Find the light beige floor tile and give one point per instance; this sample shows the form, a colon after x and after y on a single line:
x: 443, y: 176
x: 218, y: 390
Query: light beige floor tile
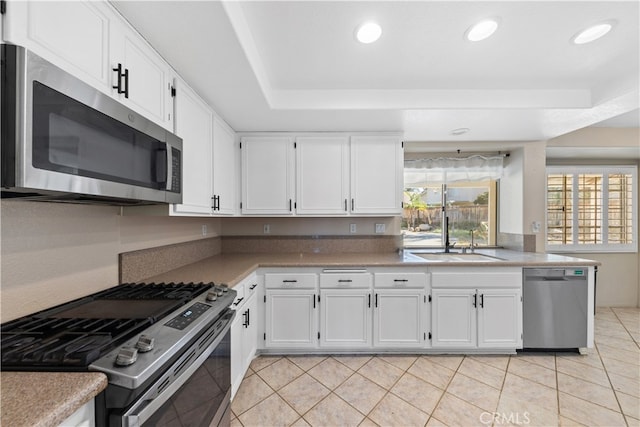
x: 263, y: 361
x: 353, y: 362
x: 626, y: 343
x: 333, y: 411
x: 625, y: 369
x: 585, y: 372
x: 434, y: 422
x: 475, y: 392
x: 235, y: 423
x: 485, y: 374
x: 273, y: 411
x: 456, y: 412
x: 588, y: 391
x: 619, y: 354
x: 499, y: 362
x: 630, y: 404
x: 588, y: 413
x: 306, y: 362
x: 393, y: 411
x: 251, y: 391
x: 546, y: 360
x: 566, y: 422
x: 280, y: 373
x: 517, y: 410
x: 431, y: 372
x: 401, y: 362
x: 527, y: 390
x: 592, y: 358
x: 303, y: 393
x: 330, y: 373
x: 533, y: 372
x: 448, y: 361
x: 381, y: 373
x: 626, y: 385
x: 417, y: 392
x: 301, y: 423
x: 367, y: 422
x: 360, y: 393
x: 632, y: 422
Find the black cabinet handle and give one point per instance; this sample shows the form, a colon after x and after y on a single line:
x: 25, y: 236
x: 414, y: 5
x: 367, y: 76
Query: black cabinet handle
x: 369, y: 305
x: 314, y: 301
x: 248, y: 317
x: 352, y: 203
x: 475, y: 300
x: 345, y: 281
x: 482, y: 300
x: 400, y: 280
x: 238, y: 302
x: 345, y: 205
x: 122, y: 74
x: 252, y: 287
x: 289, y: 205
x: 376, y: 300
x: 290, y: 281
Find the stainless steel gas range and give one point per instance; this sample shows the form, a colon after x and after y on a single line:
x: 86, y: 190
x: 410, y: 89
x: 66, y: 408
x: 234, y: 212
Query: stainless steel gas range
x: 165, y: 349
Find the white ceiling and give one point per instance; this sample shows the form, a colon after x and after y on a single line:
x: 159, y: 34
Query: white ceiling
x: 296, y: 66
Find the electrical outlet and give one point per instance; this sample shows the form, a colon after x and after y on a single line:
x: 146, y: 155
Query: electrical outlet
x: 204, y: 230
x: 535, y: 226
x: 266, y: 229
x: 380, y: 228
x: 352, y: 228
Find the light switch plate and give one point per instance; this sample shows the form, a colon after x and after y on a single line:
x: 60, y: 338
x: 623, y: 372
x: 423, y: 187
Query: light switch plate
x: 352, y: 228
x: 380, y: 228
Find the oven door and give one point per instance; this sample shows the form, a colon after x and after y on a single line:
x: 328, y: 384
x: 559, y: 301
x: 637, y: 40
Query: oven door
x: 194, y: 391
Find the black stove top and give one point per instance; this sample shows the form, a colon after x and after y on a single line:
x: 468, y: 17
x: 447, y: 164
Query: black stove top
x: 74, y: 334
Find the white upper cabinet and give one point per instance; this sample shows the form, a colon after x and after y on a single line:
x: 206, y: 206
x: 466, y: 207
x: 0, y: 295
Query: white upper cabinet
x: 376, y: 175
x: 194, y: 124
x: 224, y: 169
x: 267, y: 175
x: 89, y: 39
x: 322, y: 175
x: 140, y: 78
x: 71, y: 34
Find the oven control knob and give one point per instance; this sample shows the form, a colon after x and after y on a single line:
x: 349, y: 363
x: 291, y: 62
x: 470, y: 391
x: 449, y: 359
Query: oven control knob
x: 127, y: 356
x: 212, y: 296
x: 225, y: 287
x: 220, y: 292
x: 145, y: 343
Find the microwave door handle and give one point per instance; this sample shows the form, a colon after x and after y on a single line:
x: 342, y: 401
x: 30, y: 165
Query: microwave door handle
x: 162, y: 164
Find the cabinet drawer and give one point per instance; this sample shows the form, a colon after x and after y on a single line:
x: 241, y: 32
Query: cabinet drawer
x: 291, y: 281
x: 250, y: 286
x: 400, y: 280
x: 240, y: 296
x: 345, y: 280
x: 473, y: 278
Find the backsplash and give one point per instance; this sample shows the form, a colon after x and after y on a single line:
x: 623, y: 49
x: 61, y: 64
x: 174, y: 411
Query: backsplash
x: 517, y: 242
x: 311, y: 244
x: 137, y: 265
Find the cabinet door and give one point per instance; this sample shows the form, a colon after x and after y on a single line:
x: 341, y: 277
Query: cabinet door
x: 73, y: 35
x: 397, y: 320
x: 224, y: 169
x: 291, y: 319
x: 237, y: 356
x: 345, y: 318
x: 194, y: 126
x: 499, y: 318
x: 322, y: 175
x: 250, y: 336
x: 376, y: 175
x: 267, y: 175
x: 453, y: 320
x: 149, y: 76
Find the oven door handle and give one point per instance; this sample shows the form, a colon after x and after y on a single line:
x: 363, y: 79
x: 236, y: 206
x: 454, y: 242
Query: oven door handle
x: 151, y: 401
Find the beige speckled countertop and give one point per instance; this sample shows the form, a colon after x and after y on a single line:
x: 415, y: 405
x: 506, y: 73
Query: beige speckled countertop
x: 46, y: 398
x: 58, y: 395
x: 232, y: 268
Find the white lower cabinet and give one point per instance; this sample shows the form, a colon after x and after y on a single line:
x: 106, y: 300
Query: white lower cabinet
x: 400, y: 308
x: 244, y: 330
x: 291, y: 318
x: 84, y: 416
x: 468, y: 317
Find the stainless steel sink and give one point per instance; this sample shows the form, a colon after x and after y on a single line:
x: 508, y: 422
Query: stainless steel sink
x: 455, y: 257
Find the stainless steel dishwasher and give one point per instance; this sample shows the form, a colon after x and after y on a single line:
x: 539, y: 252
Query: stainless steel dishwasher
x: 554, y: 308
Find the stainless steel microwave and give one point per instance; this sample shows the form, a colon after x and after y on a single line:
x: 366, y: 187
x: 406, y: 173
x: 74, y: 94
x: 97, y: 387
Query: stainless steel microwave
x: 63, y: 140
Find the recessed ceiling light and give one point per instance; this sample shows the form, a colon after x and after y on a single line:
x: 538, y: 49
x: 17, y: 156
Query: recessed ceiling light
x: 592, y: 33
x: 368, y: 32
x: 460, y: 131
x: 482, y: 30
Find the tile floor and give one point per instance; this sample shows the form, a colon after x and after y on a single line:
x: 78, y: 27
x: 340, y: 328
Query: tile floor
x: 599, y: 389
